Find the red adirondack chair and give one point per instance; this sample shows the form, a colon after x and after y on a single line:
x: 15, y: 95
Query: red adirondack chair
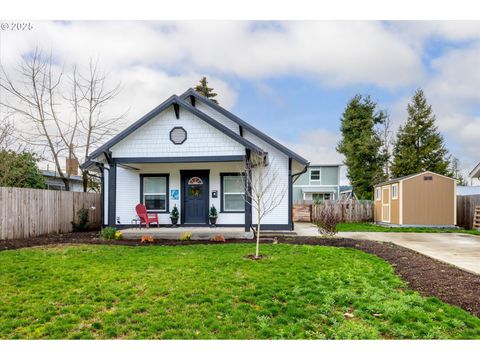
x: 146, y: 218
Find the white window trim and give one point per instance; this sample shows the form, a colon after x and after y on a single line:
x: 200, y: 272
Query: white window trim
x: 164, y: 194
x: 319, y: 176
x: 231, y: 193
x: 395, y: 186
x: 378, y: 194
x: 161, y: 193
x: 224, y: 202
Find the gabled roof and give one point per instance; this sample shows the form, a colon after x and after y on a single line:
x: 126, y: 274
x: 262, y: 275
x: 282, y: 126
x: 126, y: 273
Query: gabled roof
x: 391, y: 181
x: 242, y: 123
x: 323, y: 165
x: 174, y: 99
x: 475, y: 172
x: 54, y: 174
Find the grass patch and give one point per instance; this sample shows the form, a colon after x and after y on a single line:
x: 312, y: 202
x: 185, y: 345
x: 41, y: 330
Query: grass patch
x: 213, y: 292
x: 369, y: 227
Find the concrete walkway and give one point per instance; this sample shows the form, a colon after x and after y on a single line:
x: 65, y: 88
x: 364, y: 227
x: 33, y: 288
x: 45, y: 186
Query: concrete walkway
x: 461, y: 250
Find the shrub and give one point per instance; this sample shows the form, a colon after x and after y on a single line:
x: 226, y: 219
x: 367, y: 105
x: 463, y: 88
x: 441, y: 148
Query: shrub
x: 213, y: 212
x: 218, y: 238
x: 185, y: 236
x: 146, y: 239
x: 108, y: 233
x: 83, y: 224
x: 118, y: 235
x: 174, y: 213
x: 327, y: 221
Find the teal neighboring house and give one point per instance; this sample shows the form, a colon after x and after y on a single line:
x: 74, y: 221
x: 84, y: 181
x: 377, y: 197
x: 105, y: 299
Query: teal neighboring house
x: 319, y: 182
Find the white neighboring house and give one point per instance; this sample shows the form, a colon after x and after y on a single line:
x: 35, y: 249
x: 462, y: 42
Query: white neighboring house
x: 190, y: 152
x: 475, y: 175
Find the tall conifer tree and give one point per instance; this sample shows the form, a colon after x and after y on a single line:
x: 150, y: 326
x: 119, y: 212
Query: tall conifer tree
x: 206, y: 91
x: 419, y: 145
x: 361, y: 145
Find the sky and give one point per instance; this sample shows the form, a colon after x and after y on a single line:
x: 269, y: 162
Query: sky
x: 290, y: 79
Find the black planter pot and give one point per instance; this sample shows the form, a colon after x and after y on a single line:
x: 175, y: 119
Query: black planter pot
x: 213, y: 221
x: 174, y: 220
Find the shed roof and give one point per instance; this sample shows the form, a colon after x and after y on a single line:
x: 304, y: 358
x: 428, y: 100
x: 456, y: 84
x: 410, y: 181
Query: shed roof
x: 398, y: 179
x: 475, y: 173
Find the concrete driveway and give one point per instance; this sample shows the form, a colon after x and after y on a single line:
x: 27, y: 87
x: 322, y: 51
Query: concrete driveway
x: 461, y: 250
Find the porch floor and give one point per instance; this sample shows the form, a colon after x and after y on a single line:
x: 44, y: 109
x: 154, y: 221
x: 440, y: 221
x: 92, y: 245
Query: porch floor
x: 198, y: 233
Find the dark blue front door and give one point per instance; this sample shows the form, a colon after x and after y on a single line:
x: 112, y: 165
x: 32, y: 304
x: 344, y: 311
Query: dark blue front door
x: 195, y: 197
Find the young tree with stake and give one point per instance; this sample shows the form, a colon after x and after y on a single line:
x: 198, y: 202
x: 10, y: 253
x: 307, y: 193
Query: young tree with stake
x: 263, y: 191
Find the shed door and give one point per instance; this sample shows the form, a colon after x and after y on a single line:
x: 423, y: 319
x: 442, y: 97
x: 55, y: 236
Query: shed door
x: 386, y: 204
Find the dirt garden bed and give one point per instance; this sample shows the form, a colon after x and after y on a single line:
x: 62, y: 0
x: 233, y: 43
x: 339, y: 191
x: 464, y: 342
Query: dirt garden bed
x: 423, y: 274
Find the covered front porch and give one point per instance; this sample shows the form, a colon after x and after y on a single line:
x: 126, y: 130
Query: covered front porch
x: 191, y: 185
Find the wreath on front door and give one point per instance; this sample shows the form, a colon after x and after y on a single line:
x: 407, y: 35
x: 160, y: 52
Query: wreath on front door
x: 194, y: 191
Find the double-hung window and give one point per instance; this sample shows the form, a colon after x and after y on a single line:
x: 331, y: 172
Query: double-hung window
x: 233, y: 192
x: 315, y: 175
x: 154, y: 192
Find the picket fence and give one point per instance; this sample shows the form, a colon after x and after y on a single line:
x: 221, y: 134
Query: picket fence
x: 465, y: 210
x: 346, y: 210
x: 31, y: 212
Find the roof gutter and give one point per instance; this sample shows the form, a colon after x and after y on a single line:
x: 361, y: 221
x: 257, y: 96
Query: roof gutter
x: 299, y: 173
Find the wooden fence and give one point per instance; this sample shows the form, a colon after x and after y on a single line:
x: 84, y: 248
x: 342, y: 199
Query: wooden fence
x: 32, y: 212
x: 465, y: 208
x: 346, y: 210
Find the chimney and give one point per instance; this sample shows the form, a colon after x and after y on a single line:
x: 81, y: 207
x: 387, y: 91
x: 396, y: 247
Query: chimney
x: 72, y: 167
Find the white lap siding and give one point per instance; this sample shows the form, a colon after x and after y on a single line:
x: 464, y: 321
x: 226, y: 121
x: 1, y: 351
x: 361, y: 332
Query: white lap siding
x: 280, y: 161
x: 222, y: 119
x: 153, y: 139
x: 281, y: 214
x: 128, y: 189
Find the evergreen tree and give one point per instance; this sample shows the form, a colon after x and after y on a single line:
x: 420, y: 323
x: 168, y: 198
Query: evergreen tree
x: 20, y: 170
x: 456, y: 172
x: 419, y: 145
x: 206, y: 91
x: 361, y: 145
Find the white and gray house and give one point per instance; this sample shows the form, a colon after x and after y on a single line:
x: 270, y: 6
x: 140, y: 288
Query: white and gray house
x: 191, y: 152
x: 319, y: 182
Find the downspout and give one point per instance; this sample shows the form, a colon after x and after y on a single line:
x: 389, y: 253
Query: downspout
x: 290, y: 190
x: 300, y: 173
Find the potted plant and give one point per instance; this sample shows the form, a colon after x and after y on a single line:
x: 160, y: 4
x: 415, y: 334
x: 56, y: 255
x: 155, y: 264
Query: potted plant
x: 213, y: 215
x: 174, y: 215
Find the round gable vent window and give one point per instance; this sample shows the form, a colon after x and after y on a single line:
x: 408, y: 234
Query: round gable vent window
x: 178, y: 135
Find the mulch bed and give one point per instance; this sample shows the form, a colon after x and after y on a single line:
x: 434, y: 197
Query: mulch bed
x: 428, y: 276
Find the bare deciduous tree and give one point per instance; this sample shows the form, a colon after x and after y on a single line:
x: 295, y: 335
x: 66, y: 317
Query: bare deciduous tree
x: 64, y: 114
x: 6, y: 133
x: 263, y: 190
x: 96, y: 125
x: 386, y: 135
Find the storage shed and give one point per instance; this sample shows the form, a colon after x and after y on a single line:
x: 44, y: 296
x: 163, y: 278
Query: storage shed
x: 423, y: 199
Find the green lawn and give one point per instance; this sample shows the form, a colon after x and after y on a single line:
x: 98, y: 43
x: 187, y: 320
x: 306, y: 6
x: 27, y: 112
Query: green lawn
x: 362, y: 227
x: 211, y: 291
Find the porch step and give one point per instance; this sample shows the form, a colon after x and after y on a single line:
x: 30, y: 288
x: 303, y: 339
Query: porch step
x: 198, y: 233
